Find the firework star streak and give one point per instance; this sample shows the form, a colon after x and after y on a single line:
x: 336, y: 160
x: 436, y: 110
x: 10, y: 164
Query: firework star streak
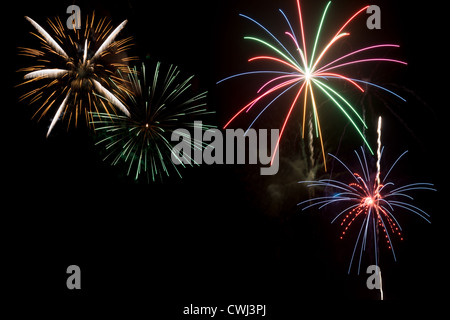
x: 77, y: 70
x: 159, y: 104
x: 309, y: 72
x: 370, y: 201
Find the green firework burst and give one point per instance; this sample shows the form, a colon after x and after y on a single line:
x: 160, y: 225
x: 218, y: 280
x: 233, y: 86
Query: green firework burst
x: 158, y: 105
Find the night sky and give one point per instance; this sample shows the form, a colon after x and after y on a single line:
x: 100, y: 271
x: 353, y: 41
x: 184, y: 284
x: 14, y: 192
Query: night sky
x: 222, y: 234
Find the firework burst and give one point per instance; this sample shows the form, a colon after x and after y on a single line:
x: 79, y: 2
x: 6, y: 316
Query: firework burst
x: 308, y: 71
x: 158, y: 105
x: 76, y: 70
x: 371, y: 201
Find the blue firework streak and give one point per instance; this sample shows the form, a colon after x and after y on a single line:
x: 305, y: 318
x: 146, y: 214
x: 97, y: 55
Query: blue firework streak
x: 370, y: 202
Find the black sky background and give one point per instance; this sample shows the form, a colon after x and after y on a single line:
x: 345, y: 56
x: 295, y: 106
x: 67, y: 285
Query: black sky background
x: 221, y: 235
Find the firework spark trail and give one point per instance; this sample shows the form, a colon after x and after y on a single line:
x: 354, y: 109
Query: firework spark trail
x: 377, y: 179
x: 369, y: 202
x: 158, y: 104
x: 379, y: 151
x: 83, y: 74
x: 310, y: 72
x: 48, y: 38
